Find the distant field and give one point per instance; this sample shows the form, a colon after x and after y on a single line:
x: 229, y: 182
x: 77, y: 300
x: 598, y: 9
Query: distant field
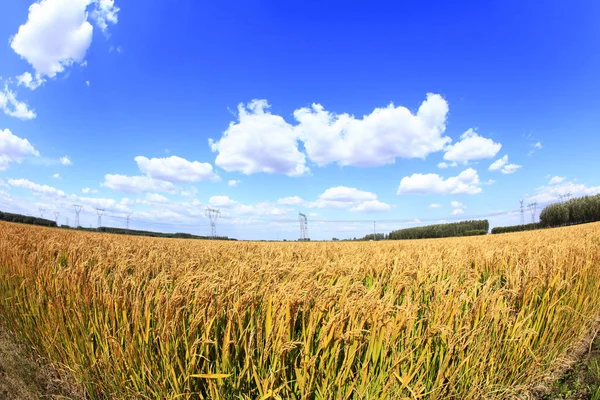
x: 464, y: 318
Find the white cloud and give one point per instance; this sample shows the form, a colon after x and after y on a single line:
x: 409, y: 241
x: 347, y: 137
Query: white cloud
x: 502, y: 165
x: 444, y: 165
x: 56, y: 176
x: 105, y: 12
x: 549, y: 193
x: 262, y: 208
x: 342, y: 197
x: 434, y: 205
x: 175, y: 169
x: 292, y: 201
x: 13, y: 107
x: 259, y: 142
x: 510, y: 168
x: 467, y: 182
x: 376, y: 139
x: 472, y: 147
x: 87, y: 83
x: 56, y: 35
x: 222, y: 201
x: 347, y: 195
x: 458, y: 207
x: 136, y: 184
x: 193, y: 192
x: 36, y: 188
x: 556, y: 180
x: 264, y: 142
x: 156, y: 198
x: 13, y: 149
x: 65, y: 161
x: 234, y: 182
x: 88, y: 190
x: 538, y: 145
x: 371, y: 206
x: 29, y: 81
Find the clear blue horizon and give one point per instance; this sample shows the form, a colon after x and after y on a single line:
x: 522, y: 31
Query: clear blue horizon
x: 401, y: 113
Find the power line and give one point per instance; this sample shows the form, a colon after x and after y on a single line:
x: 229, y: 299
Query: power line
x: 522, y: 213
x: 42, y: 211
x: 533, y: 209
x: 213, y: 215
x: 77, y: 208
x: 303, y: 226
x: 99, y: 211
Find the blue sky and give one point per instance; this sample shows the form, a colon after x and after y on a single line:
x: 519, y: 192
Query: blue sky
x: 403, y: 113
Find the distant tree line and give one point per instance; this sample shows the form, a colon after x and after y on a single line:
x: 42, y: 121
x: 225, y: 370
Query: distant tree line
x: 463, y: 228
x: 134, y: 232
x: 579, y: 210
x: 575, y: 211
x: 516, y: 228
x: 24, y: 219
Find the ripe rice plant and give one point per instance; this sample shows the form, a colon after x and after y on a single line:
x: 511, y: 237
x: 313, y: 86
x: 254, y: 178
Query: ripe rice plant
x: 150, y: 318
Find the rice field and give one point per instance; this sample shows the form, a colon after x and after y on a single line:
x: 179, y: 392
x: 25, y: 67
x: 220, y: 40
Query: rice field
x: 145, y: 318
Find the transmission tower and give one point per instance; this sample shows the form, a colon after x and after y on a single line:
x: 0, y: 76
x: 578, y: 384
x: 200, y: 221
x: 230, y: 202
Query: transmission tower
x: 374, y: 235
x: 303, y: 226
x: 522, y: 213
x: 77, y: 208
x: 213, y: 215
x: 42, y: 211
x: 56, y: 214
x: 128, y: 219
x: 99, y: 211
x: 67, y: 218
x: 532, y: 208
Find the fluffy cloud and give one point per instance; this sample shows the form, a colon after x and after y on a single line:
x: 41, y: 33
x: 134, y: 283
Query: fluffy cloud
x: 222, y: 201
x: 175, y: 169
x: 57, y: 32
x: 556, y: 180
x: 292, y: 201
x: 88, y: 190
x: 259, y: 142
x: 65, y: 161
x: 234, y: 182
x: 105, y: 12
x: 342, y: 197
x: 264, y: 142
x: 136, y: 184
x: 502, y: 165
x: 376, y: 139
x: 467, y: 182
x: 434, y: 205
x: 458, y: 208
x: 371, y: 206
x: 13, y: 107
x: 156, y: 198
x: 472, y: 147
x: 56, y: 35
x: 347, y: 194
x: 444, y: 165
x: 56, y: 176
x: 538, y: 145
x: 13, y: 149
x: 36, y: 188
x: 549, y: 193
x: 29, y: 81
